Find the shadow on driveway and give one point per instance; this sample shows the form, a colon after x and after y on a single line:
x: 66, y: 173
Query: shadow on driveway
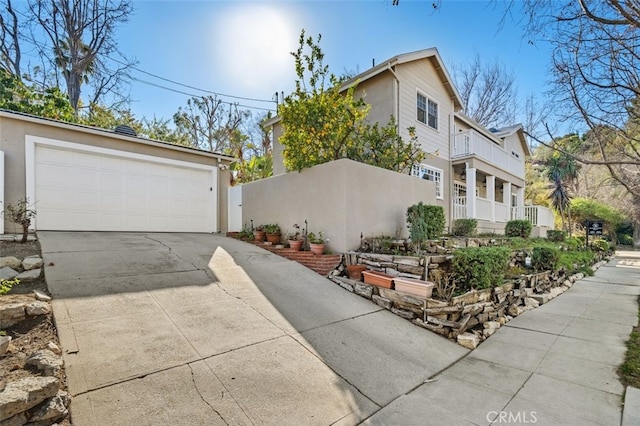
x: 203, y: 329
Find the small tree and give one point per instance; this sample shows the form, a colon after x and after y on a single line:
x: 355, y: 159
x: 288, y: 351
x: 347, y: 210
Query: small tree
x: 323, y: 121
x: 21, y: 214
x: 425, y: 222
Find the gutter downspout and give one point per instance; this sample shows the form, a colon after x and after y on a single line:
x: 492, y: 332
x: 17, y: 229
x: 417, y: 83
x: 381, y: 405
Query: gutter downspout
x: 396, y: 95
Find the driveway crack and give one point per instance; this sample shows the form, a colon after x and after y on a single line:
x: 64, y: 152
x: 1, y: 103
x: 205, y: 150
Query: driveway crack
x: 173, y: 252
x: 195, y: 385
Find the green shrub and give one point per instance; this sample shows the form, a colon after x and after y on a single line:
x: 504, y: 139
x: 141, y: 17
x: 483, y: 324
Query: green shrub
x: 625, y: 239
x: 586, y: 270
x: 572, y: 261
x: 518, y: 228
x: 556, y: 236
x: 425, y: 222
x: 601, y: 245
x: 6, y: 285
x: 545, y: 258
x: 464, y: 227
x: 480, y: 267
x: 574, y: 244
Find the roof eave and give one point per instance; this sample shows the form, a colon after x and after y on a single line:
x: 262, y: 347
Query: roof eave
x: 106, y: 132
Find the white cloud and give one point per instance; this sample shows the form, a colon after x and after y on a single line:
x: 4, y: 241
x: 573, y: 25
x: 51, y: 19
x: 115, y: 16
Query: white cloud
x: 252, y: 48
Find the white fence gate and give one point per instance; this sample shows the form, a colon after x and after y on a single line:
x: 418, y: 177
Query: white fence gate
x: 234, y: 208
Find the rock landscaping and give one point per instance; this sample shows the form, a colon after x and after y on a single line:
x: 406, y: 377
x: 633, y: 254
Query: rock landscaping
x: 33, y: 382
x: 468, y: 318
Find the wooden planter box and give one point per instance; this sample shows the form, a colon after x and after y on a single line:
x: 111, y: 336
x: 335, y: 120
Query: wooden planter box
x: 379, y: 279
x: 415, y: 287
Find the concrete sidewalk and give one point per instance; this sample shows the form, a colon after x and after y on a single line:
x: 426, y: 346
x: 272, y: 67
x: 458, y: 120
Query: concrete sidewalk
x: 555, y: 365
x: 195, y: 329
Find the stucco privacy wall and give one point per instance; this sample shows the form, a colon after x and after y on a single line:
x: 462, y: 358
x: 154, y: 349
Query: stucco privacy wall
x: 343, y: 198
x: 14, y: 128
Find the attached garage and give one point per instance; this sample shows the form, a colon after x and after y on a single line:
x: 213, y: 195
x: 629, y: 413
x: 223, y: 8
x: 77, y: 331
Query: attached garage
x: 85, y: 179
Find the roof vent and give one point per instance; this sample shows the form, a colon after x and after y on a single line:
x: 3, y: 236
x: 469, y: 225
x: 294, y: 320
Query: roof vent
x: 492, y: 130
x: 125, y: 130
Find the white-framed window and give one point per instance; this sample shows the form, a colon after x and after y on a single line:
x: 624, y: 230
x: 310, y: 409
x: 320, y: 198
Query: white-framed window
x: 427, y: 111
x: 423, y: 171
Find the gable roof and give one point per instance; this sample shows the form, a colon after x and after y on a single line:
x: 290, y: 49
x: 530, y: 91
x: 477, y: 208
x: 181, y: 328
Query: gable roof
x: 431, y: 53
x: 505, y: 132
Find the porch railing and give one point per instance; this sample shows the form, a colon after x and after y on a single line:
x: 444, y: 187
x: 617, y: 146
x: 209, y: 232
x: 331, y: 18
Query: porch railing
x: 471, y: 142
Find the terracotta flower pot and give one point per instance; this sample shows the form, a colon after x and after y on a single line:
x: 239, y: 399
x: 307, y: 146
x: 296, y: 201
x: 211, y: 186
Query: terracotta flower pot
x: 316, y: 248
x: 355, y: 271
x: 295, y: 244
x: 379, y: 279
x: 273, y: 238
x: 258, y: 235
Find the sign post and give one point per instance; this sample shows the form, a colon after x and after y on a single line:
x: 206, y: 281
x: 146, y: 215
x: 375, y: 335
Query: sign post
x: 594, y: 228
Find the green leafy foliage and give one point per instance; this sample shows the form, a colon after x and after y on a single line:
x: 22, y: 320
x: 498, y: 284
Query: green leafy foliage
x: 545, y: 258
x: 518, y: 228
x: 271, y: 228
x: 556, y: 236
x: 464, y: 227
x: 601, y: 245
x: 17, y: 96
x: 6, y: 285
x: 425, y: 222
x: 480, y: 267
x: 322, y: 122
x: 384, y: 147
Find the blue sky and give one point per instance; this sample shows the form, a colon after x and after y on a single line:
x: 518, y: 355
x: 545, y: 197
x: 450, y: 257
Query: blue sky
x: 241, y: 48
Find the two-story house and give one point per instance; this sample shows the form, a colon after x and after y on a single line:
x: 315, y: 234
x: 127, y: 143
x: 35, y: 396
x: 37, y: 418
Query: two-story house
x: 479, y: 173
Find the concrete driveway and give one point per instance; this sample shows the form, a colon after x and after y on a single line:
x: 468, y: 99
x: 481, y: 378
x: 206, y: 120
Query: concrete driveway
x: 202, y: 329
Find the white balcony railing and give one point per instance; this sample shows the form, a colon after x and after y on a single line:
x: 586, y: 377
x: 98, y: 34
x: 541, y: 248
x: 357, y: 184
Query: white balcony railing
x: 471, y: 142
x: 537, y: 215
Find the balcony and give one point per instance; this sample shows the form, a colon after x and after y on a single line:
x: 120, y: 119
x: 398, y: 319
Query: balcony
x: 471, y: 142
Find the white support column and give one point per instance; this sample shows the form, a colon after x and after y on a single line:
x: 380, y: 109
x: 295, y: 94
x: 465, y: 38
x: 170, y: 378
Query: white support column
x: 471, y: 193
x: 491, y: 195
x: 506, y: 198
x: 520, y: 195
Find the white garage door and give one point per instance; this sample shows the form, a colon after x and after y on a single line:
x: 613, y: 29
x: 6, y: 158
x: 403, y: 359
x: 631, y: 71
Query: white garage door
x: 110, y: 191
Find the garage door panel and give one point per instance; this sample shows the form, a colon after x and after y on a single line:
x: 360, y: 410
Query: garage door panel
x: 85, y: 161
x: 92, y: 191
x: 111, y: 183
x: 52, y: 156
x: 111, y: 164
x: 86, y: 201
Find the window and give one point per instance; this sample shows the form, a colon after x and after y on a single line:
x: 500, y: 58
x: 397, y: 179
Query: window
x: 427, y: 111
x: 429, y: 173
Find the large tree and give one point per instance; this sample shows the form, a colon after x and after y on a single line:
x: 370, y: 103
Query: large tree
x: 488, y: 91
x: 70, y: 44
x: 596, y: 76
x: 209, y: 123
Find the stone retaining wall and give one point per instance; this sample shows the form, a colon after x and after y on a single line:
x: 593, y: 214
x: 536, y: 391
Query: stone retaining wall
x: 469, y: 318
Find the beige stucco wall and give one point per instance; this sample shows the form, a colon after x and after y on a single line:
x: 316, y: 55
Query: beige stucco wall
x: 13, y: 131
x: 343, y: 198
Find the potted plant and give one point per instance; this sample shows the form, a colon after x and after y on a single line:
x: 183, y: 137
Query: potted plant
x: 317, y: 242
x: 355, y: 271
x: 295, y: 238
x: 258, y: 233
x: 272, y: 231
